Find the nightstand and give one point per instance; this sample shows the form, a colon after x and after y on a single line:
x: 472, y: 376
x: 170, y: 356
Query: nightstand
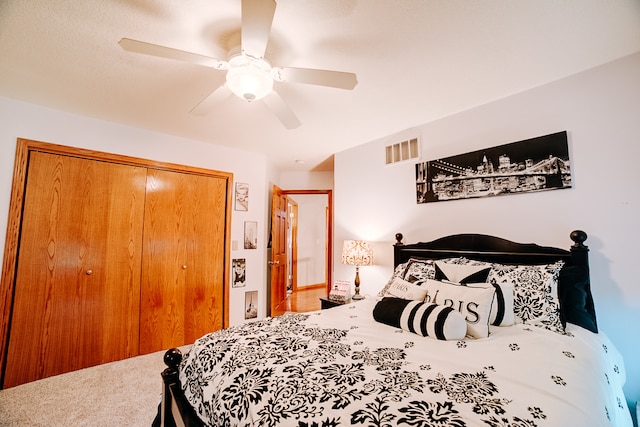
x: 327, y: 303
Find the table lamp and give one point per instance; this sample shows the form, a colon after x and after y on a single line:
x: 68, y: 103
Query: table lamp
x: 358, y: 253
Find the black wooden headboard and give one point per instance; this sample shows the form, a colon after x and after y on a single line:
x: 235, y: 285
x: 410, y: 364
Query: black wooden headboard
x: 492, y: 249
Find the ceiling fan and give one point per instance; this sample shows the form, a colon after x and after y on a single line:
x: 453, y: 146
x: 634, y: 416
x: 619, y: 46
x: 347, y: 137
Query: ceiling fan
x: 249, y: 75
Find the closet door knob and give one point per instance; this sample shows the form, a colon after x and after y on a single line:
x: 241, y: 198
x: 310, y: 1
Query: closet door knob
x: 89, y: 272
x: 184, y: 267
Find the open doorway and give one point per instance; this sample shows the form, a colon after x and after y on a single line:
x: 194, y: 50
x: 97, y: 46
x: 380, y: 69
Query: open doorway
x: 307, y: 241
x: 300, y: 258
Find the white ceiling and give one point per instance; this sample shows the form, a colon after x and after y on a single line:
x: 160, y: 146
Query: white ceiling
x: 416, y: 61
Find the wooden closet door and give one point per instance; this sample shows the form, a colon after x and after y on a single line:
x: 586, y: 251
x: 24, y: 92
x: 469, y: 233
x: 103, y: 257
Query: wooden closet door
x: 182, y: 272
x: 77, y: 289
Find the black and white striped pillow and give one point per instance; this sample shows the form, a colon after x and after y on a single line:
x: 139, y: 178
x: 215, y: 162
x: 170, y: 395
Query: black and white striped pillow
x: 425, y: 319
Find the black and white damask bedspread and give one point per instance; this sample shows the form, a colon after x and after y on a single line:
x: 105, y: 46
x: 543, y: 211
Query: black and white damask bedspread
x: 340, y: 367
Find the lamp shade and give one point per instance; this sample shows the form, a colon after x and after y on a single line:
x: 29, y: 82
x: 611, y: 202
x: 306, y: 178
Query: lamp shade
x: 357, y: 252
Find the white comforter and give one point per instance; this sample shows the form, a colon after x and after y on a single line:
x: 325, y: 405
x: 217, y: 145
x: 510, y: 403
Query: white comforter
x: 341, y: 367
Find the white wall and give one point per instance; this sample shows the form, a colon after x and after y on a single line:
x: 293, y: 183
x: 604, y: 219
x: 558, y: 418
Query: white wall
x: 306, y: 180
x: 21, y: 120
x: 600, y: 109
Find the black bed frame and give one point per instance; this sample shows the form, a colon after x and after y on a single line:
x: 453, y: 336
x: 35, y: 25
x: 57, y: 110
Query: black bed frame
x: 492, y: 249
x: 175, y: 409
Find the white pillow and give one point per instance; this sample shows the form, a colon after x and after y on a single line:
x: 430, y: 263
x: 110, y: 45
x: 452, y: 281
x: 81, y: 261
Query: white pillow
x: 502, y: 309
x: 400, y: 288
x: 474, y: 303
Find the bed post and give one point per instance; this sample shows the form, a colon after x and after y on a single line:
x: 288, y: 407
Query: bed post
x: 580, y: 257
x: 172, y: 359
x: 175, y: 410
x: 396, y: 249
x: 579, y: 251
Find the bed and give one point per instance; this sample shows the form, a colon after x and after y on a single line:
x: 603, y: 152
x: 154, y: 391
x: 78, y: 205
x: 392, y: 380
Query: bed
x: 469, y: 330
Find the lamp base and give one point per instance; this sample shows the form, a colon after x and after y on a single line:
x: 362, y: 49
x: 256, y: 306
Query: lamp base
x: 356, y: 295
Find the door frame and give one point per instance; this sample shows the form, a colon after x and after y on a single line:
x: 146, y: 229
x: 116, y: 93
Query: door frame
x: 21, y: 164
x: 329, y: 226
x: 292, y: 230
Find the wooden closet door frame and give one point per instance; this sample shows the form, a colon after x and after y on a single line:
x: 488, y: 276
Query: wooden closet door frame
x: 23, y: 148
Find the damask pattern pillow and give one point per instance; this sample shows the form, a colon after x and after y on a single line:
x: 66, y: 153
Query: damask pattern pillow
x: 535, y: 291
x: 419, y: 270
x: 473, y: 303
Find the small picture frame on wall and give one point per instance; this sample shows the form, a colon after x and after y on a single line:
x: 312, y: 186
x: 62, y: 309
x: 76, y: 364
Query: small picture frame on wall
x: 250, y: 234
x: 241, y: 197
x: 239, y: 272
x: 251, y: 305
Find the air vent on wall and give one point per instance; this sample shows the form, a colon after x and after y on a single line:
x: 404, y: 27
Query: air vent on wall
x: 402, y: 151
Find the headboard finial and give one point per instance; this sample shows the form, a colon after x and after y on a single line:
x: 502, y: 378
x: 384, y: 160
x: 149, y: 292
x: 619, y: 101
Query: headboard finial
x: 578, y: 237
x: 172, y: 358
x: 399, y: 237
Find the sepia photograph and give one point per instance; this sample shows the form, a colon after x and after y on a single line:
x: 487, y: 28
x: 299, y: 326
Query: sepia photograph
x: 251, y: 304
x: 250, y: 234
x: 242, y: 197
x: 536, y: 164
x: 239, y: 270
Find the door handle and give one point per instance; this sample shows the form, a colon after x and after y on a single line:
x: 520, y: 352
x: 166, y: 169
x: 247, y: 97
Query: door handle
x: 274, y: 262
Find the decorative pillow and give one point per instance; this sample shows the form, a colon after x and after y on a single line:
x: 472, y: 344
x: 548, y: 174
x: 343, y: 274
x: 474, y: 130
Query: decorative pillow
x: 473, y: 303
x: 419, y: 270
x: 398, y: 272
x: 576, y: 302
x: 535, y: 292
x: 502, y: 308
x: 462, y: 270
x: 432, y: 320
x: 406, y: 290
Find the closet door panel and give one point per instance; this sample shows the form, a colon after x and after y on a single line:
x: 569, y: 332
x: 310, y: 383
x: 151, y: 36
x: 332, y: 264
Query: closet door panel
x: 205, y: 250
x: 77, y: 281
x: 182, y: 272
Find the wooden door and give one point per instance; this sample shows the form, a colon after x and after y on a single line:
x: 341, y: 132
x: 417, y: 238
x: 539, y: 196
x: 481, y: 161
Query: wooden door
x: 278, y: 260
x: 77, y: 291
x: 182, y: 272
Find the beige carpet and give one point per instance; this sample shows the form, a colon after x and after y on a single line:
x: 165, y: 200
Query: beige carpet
x: 124, y: 393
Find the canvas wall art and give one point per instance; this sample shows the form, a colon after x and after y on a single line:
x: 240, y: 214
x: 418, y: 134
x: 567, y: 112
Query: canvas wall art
x: 535, y: 164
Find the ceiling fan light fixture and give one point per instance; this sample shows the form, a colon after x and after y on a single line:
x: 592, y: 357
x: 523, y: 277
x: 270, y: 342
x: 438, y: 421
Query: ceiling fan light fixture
x: 249, y: 78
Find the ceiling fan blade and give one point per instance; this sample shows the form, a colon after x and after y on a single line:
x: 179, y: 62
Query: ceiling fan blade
x: 211, y: 101
x: 281, y: 110
x: 257, y: 16
x: 137, y: 46
x: 337, y: 79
